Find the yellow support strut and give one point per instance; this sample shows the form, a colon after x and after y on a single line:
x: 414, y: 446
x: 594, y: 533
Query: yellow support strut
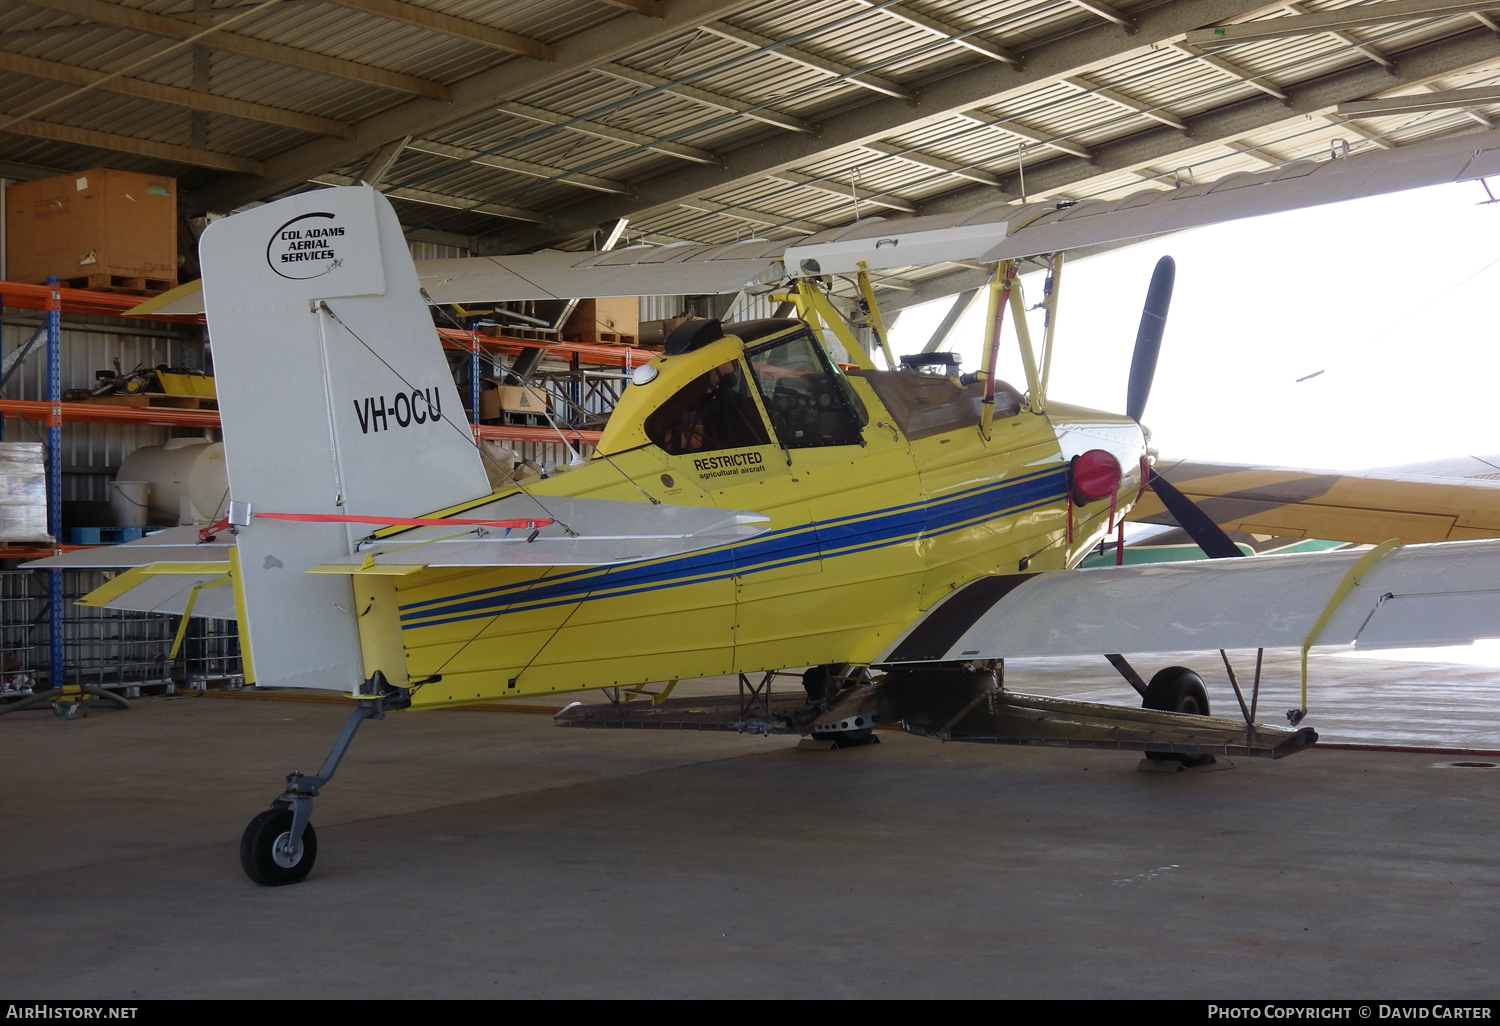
x: 877, y: 322
x: 1349, y: 583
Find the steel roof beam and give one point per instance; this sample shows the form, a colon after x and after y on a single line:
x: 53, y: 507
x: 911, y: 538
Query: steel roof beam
x: 920, y: 159
x: 703, y: 96
x: 1447, y: 99
x: 611, y: 41
x: 759, y: 218
x: 1232, y: 70
x: 602, y: 131
x: 987, y: 84
x: 190, y: 99
x: 650, y: 8
x: 1263, y: 155
x: 1347, y: 38
x: 905, y: 14
x: 381, y: 162
x: 459, y: 28
x: 119, y: 16
x: 438, y: 199
x: 879, y: 199
x: 1345, y: 17
x: 190, y: 155
x: 1031, y: 135
x: 808, y: 60
x: 521, y: 167
x: 1119, y: 99
x: 1359, y: 131
x: 1108, y: 13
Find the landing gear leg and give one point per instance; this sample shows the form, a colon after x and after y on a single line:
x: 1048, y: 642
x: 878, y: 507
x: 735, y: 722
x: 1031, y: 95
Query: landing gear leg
x: 824, y: 684
x: 279, y: 846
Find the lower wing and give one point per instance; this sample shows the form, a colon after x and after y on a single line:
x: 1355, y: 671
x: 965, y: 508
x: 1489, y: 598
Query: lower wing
x: 1386, y: 597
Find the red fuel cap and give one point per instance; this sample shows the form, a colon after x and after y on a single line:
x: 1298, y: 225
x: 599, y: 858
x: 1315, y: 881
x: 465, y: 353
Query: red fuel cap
x: 1096, y: 475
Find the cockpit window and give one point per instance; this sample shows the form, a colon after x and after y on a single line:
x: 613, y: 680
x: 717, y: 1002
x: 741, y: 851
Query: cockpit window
x: 810, y: 402
x: 713, y: 411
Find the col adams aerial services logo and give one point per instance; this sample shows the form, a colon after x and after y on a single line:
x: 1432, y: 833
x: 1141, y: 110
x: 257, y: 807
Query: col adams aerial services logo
x: 307, y: 246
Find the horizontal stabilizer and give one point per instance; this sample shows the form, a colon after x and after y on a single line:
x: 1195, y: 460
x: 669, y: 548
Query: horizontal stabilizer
x: 196, y: 593
x: 174, y: 545
x: 584, y: 532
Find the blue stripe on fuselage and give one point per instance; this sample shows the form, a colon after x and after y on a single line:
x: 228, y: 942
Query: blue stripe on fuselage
x: 774, y: 550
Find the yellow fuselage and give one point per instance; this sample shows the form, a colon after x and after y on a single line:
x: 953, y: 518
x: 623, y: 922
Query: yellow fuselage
x: 861, y: 540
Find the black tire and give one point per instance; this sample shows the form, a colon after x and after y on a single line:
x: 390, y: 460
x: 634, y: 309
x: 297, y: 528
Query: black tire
x: 1180, y: 690
x: 257, y: 854
x: 1177, y: 689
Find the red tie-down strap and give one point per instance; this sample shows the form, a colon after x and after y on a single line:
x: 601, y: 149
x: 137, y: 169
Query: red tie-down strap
x: 527, y: 523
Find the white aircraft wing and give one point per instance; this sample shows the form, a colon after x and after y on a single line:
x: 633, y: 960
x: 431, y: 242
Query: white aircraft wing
x: 1447, y: 594
x: 1002, y: 231
x: 635, y: 271
x: 551, y: 274
x: 998, y: 231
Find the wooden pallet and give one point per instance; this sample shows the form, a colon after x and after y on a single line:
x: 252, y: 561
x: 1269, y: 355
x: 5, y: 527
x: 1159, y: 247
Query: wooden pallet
x: 120, y: 283
x: 606, y: 338
x: 154, y: 400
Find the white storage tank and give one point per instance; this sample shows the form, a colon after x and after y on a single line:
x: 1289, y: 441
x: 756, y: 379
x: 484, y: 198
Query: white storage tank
x: 188, y: 479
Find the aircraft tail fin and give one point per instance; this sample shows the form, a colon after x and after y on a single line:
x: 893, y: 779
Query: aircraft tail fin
x: 335, y: 398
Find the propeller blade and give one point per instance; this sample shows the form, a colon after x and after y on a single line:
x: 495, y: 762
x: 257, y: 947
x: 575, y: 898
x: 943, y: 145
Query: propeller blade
x: 1148, y: 337
x: 1209, y: 536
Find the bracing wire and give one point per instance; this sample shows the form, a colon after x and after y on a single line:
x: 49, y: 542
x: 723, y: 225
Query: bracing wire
x: 526, y: 380
x: 323, y: 305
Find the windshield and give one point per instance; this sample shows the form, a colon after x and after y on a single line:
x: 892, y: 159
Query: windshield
x: 809, y: 401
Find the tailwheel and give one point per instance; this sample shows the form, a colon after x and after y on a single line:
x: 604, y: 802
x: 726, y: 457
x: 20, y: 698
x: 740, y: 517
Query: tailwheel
x: 1180, y: 690
x: 267, y: 855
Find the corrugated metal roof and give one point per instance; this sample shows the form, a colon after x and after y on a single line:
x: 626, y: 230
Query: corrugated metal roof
x: 853, y: 34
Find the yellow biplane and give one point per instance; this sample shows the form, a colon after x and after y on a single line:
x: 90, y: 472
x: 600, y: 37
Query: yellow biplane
x: 753, y: 505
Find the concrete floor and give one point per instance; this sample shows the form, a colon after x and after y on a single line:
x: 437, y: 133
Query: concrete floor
x: 483, y: 853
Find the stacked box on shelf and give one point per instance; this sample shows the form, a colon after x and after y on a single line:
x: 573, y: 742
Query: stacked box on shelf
x: 95, y: 229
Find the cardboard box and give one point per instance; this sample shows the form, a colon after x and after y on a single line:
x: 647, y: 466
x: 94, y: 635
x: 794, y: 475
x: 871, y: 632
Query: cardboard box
x: 614, y: 321
x: 512, y: 399
x: 92, y: 227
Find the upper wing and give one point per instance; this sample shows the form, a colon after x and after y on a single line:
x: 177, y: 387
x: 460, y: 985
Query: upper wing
x: 1363, y: 506
x: 550, y: 274
x: 1424, y: 595
x: 998, y: 231
x: 1002, y: 232
x: 636, y: 271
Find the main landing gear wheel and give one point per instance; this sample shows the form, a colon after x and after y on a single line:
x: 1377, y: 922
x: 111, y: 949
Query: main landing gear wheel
x: 266, y: 856
x: 1180, y: 690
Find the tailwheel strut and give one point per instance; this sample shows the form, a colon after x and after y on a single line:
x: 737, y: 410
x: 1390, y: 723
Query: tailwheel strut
x: 279, y: 846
